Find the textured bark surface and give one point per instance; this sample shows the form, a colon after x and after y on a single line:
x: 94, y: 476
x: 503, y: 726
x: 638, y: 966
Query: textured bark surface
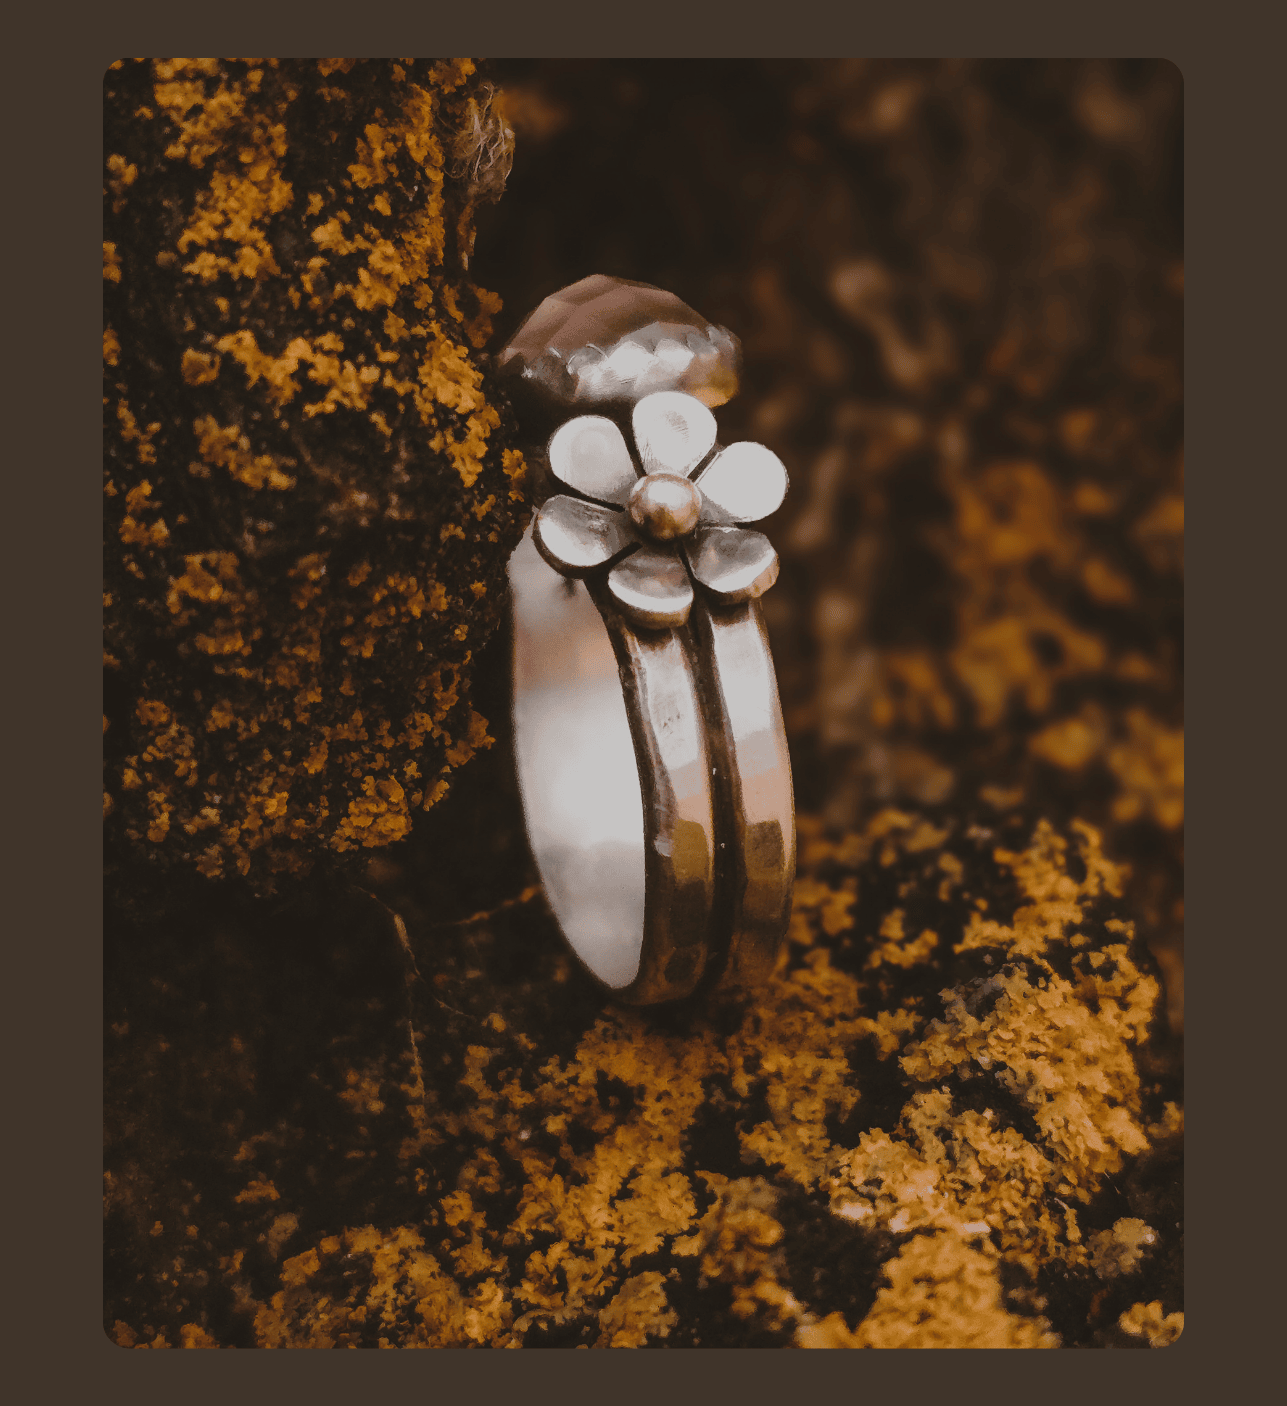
x: 954, y: 1115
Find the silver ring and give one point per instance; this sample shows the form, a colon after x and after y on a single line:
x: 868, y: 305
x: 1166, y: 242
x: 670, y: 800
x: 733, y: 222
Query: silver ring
x: 648, y: 733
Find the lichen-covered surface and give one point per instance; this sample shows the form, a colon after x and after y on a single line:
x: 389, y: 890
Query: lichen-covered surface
x: 938, y: 1125
x: 954, y: 1115
x: 309, y: 499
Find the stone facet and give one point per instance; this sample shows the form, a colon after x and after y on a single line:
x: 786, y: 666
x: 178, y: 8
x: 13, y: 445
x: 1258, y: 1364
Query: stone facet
x: 611, y: 340
x: 665, y: 506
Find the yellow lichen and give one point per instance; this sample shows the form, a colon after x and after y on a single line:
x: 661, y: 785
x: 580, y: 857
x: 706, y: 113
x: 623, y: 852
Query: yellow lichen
x: 1120, y: 1250
x: 1072, y: 742
x: 637, y: 1311
x: 1145, y: 1320
x: 193, y: 1335
x: 226, y: 447
x: 942, y: 1293
x: 198, y: 368
x: 898, y: 948
x: 258, y: 1190
x: 134, y: 529
x: 379, y: 816
x: 140, y: 437
x: 1149, y: 764
x: 591, y: 1151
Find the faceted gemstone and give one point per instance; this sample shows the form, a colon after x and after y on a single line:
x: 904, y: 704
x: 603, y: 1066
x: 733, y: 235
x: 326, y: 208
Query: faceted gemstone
x: 665, y: 506
x: 612, y: 341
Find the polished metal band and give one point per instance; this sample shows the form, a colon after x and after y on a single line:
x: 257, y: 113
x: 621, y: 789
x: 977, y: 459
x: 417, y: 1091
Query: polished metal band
x: 656, y: 784
x: 756, y: 806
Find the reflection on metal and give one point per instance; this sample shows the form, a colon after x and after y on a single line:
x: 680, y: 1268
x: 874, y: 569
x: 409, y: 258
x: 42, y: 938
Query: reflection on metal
x: 576, y: 537
x: 746, y: 480
x: 665, y: 506
x: 652, y: 587
x: 590, y: 455
x: 616, y: 785
x: 755, y: 799
x: 732, y: 562
x: 656, y: 784
x: 673, y: 432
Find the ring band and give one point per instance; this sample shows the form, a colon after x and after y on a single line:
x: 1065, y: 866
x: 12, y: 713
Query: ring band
x: 649, y: 742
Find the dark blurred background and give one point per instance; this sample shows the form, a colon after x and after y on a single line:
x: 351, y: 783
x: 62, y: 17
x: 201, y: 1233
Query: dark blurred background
x: 958, y: 287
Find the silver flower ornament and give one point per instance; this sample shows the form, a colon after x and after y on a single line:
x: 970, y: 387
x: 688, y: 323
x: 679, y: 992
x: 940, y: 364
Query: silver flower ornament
x: 667, y: 520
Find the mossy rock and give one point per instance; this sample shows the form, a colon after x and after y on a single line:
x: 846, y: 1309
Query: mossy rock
x: 938, y: 1123
x: 309, y: 495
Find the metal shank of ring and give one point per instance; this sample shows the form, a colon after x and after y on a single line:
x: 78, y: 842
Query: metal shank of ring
x: 755, y: 798
x: 616, y: 778
x: 656, y: 785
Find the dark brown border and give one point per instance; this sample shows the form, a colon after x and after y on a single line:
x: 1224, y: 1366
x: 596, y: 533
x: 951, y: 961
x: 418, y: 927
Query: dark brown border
x: 1233, y: 105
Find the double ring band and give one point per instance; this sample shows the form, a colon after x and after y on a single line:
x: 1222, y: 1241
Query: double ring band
x: 649, y: 742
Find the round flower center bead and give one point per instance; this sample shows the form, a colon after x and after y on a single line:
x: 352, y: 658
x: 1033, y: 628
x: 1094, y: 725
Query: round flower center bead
x: 665, y: 506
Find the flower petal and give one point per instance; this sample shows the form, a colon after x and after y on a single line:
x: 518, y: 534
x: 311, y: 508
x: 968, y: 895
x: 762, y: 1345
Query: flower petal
x: 589, y: 454
x: 733, y: 564
x: 673, y: 432
x: 575, y: 537
x: 652, y: 588
x: 747, y: 480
